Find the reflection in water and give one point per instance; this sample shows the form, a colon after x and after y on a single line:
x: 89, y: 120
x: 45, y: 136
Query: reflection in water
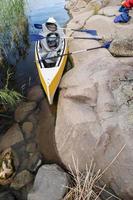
x: 13, y: 29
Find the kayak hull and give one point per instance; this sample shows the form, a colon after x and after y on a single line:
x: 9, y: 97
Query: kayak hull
x: 50, y: 77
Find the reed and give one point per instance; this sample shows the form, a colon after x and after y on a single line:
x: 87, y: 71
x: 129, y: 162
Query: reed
x: 9, y: 97
x: 86, y: 184
x: 13, y: 24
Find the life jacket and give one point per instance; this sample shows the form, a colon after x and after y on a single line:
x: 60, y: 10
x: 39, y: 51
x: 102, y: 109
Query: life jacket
x: 128, y: 4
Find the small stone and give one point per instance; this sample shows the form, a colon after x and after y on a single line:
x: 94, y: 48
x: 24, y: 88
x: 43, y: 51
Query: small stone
x: 35, y: 93
x: 24, y: 110
x: 27, y: 128
x: 11, y: 137
x: 50, y: 184
x: 31, y: 147
x: 22, y: 179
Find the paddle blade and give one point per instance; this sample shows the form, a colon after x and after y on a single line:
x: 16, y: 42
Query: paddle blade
x: 107, y: 44
x: 92, y: 32
x: 38, y: 26
x: 35, y: 37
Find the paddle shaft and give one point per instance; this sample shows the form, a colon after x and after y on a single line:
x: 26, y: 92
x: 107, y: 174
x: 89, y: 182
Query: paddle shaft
x: 36, y: 37
x: 75, y: 52
x: 85, y: 38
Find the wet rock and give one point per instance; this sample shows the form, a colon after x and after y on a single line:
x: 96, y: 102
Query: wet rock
x: 33, y: 117
x: 34, y: 162
x: 24, y: 110
x: 45, y: 131
x: 35, y: 93
x: 49, y: 184
x: 31, y: 147
x: 22, y: 179
x: 7, y: 195
x: 11, y: 137
x: 27, y: 128
x: 122, y: 47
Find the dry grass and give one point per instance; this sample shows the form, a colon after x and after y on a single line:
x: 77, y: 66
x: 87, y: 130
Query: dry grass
x: 86, y: 184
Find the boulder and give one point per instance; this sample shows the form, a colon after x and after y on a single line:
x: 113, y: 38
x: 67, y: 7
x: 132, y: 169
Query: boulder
x: 22, y: 179
x: 122, y: 47
x: 35, y: 93
x: 11, y: 137
x: 24, y: 110
x: 95, y: 107
x: 50, y: 184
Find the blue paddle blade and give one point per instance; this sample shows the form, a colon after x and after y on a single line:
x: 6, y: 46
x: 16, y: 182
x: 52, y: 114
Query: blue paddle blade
x: 35, y: 37
x: 123, y: 18
x: 106, y: 45
x: 38, y: 26
x: 92, y: 32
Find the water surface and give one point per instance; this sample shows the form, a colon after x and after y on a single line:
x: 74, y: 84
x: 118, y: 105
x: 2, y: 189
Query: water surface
x: 37, y: 11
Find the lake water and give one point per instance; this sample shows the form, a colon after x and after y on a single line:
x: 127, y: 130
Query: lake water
x: 37, y: 11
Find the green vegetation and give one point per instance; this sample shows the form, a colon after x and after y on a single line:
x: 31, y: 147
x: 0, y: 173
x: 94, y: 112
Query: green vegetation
x: 13, y: 24
x: 13, y: 42
x: 9, y: 98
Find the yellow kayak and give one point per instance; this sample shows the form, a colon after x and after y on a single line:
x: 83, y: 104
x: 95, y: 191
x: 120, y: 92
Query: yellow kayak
x: 49, y: 60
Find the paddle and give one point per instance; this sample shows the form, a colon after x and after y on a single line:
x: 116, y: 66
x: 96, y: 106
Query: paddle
x: 106, y: 45
x: 36, y: 37
x: 92, y: 32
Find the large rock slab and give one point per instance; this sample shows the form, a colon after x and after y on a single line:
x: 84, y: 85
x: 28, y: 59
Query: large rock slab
x: 11, y: 137
x: 106, y: 27
x: 95, y: 106
x: 50, y: 184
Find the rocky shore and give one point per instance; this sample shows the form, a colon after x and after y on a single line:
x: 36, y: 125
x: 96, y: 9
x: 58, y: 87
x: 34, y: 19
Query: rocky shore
x: 95, y: 108
x: 27, y: 146
x: 94, y: 118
